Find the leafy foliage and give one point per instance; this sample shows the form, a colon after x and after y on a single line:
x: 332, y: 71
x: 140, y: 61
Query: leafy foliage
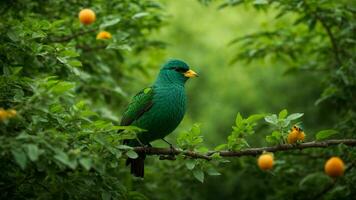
x: 64, y: 85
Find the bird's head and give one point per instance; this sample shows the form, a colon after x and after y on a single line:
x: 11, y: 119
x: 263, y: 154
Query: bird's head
x: 175, y: 71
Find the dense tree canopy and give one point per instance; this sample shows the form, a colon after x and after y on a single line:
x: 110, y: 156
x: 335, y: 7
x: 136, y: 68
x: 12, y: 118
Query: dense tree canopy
x: 66, y: 78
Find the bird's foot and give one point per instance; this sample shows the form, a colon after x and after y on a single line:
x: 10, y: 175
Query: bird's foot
x: 172, y: 155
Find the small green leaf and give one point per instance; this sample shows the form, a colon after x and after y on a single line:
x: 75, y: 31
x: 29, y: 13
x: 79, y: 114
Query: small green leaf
x: 139, y: 15
x: 124, y: 147
x: 62, y: 157
x: 110, y: 23
x: 147, y: 90
x: 33, y: 152
x: 199, y: 175
x: 220, y: 147
x: 294, y: 116
x: 75, y: 63
x: 62, y: 87
x: 212, y: 172
x: 86, y: 163
x: 190, y: 164
x: 132, y: 154
x: 20, y: 157
x: 254, y: 118
x: 272, y: 119
x: 316, y: 178
x: 283, y: 114
x: 324, y: 134
x: 239, y: 119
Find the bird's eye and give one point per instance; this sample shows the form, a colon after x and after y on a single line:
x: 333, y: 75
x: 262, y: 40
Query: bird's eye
x: 180, y: 70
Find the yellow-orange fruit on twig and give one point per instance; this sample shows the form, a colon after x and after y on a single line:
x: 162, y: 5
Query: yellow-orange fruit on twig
x: 265, y: 161
x: 103, y: 35
x: 334, y: 167
x: 87, y: 16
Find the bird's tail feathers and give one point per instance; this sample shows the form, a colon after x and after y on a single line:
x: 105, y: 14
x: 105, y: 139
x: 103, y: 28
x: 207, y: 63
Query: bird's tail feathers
x: 137, y: 165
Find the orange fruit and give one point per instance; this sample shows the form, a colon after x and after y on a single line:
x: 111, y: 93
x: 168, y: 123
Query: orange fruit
x: 87, y: 16
x: 334, y: 167
x: 102, y: 35
x: 265, y: 161
x: 292, y: 137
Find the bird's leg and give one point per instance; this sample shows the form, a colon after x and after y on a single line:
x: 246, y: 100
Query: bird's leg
x: 170, y: 144
x: 172, y: 155
x: 148, y: 145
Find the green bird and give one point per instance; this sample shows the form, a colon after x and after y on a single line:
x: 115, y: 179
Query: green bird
x: 157, y: 109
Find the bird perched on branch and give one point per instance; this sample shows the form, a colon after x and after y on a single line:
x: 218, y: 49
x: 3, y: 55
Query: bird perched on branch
x: 157, y: 109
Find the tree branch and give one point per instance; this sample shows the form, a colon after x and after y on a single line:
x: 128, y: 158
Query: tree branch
x: 244, y: 152
x: 331, y: 37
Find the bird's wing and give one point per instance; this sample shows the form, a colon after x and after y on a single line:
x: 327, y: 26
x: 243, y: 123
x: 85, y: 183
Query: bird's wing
x: 140, y: 103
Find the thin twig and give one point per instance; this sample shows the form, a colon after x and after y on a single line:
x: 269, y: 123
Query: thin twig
x: 331, y: 37
x: 244, y: 152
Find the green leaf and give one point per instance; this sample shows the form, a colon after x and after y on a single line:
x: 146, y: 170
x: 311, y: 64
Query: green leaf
x: 75, y: 63
x: 69, y: 53
x: 33, y: 152
x: 132, y: 154
x: 20, y: 157
x: 190, y: 164
x: 324, y: 134
x: 314, y: 179
x: 254, y: 118
x: 294, y: 116
x: 63, y: 158
x: 110, y: 23
x: 139, y: 15
x: 239, y: 119
x: 124, y: 147
x: 283, y: 114
x: 86, y: 163
x: 199, y: 175
x: 272, y: 119
x: 220, y: 147
x: 212, y: 172
x: 62, y: 87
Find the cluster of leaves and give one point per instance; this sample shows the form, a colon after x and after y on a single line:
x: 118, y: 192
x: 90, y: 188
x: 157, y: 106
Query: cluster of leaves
x: 192, y: 140
x: 243, y: 127
x: 66, y: 86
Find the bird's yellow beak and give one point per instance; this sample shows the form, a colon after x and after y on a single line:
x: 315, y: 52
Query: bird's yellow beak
x: 190, y: 74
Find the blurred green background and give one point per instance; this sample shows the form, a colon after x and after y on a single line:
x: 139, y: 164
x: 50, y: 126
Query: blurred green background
x: 200, y: 35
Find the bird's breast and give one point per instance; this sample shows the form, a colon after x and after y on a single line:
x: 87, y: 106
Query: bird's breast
x: 170, y: 104
x: 168, y: 109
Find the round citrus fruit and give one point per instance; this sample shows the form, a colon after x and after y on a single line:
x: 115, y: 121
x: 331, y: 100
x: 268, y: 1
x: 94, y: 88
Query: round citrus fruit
x: 86, y: 16
x: 103, y: 35
x: 334, y: 167
x: 265, y: 161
